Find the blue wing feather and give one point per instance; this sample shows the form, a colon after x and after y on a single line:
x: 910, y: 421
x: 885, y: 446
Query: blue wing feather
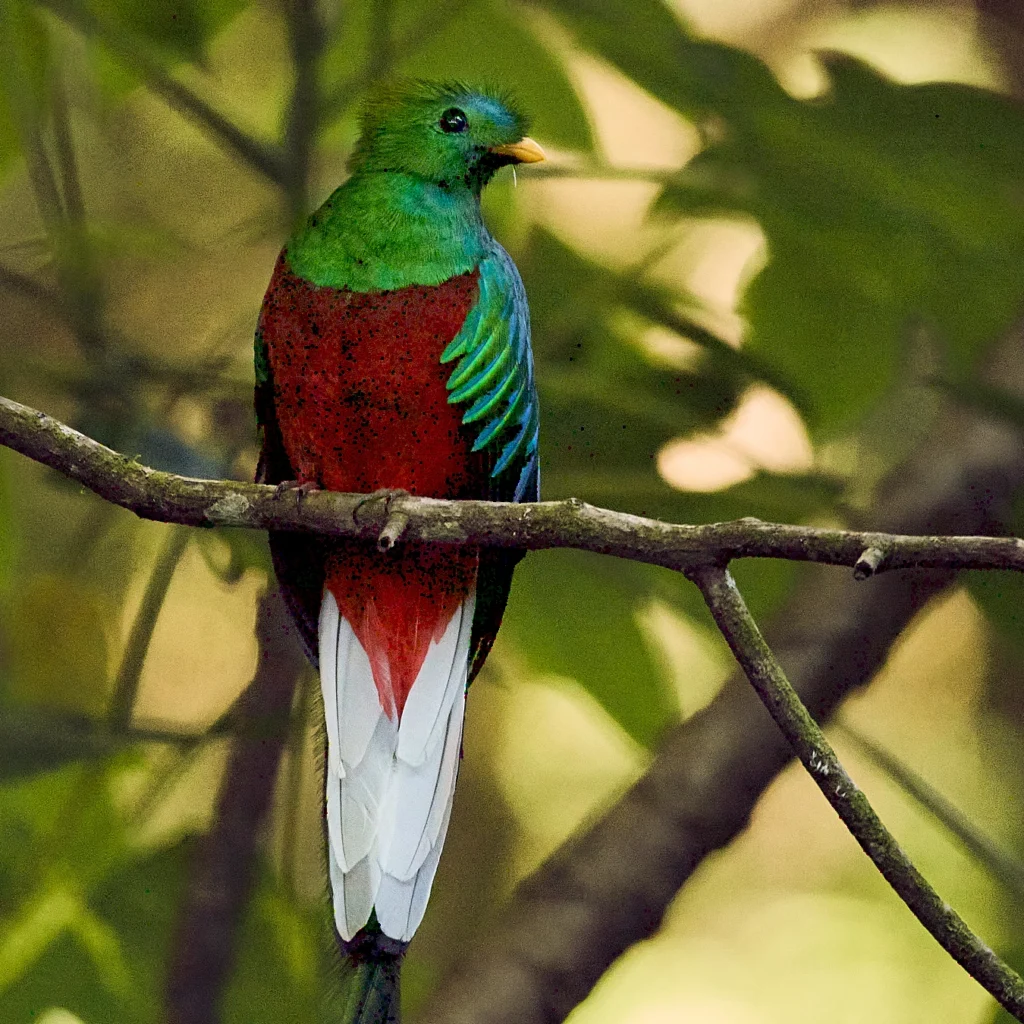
x: 494, y: 375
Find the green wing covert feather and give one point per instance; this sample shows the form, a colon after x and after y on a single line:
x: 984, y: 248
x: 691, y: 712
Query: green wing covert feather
x: 494, y: 374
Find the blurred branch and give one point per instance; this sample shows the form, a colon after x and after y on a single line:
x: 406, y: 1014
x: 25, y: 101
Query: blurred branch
x: 222, y: 874
x: 610, y: 885
x: 81, y: 285
x: 306, y: 38
x: 382, y: 61
x: 737, y: 625
x: 24, y: 284
x: 572, y: 523
x: 263, y: 158
x: 1000, y: 862
x: 126, y: 687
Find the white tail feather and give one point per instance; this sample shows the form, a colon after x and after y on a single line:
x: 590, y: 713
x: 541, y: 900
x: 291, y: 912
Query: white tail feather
x: 416, y: 801
x: 329, y: 617
x: 358, y: 701
x: 354, y: 892
x: 402, y: 903
x: 389, y: 785
x: 363, y: 794
x: 443, y: 674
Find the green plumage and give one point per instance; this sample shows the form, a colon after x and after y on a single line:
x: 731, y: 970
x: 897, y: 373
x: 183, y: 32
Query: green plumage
x: 410, y: 213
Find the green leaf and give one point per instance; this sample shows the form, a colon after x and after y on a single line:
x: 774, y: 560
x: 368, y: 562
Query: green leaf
x: 883, y: 205
x: 135, y: 908
x: 283, y: 963
x: 574, y: 614
x: 649, y: 44
x: 180, y: 30
x: 55, y: 947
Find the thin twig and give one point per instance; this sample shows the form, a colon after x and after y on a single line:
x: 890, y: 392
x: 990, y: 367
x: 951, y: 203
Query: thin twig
x: 126, y: 688
x: 572, y: 523
x: 849, y: 802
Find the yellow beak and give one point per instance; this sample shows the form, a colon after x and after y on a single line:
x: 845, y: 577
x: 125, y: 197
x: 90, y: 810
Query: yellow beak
x: 525, y: 151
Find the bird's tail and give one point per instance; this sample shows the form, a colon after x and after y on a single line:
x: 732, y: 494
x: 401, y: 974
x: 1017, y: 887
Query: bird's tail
x: 373, y: 963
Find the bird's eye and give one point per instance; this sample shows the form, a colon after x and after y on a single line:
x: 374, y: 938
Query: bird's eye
x: 453, y: 120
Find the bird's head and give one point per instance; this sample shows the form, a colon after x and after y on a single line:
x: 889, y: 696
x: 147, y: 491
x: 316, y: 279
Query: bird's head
x: 449, y: 134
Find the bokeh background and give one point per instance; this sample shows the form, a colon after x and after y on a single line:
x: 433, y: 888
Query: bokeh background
x: 776, y: 241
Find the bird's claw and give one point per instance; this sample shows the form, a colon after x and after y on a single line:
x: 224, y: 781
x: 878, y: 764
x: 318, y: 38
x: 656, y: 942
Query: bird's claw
x: 384, y: 494
x: 302, y: 488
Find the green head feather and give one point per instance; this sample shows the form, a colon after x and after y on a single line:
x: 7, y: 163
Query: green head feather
x: 410, y: 212
x: 441, y: 132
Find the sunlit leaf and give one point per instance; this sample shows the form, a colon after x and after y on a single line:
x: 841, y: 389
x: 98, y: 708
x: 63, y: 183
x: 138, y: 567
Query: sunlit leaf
x: 136, y: 908
x: 882, y: 204
x: 49, y: 928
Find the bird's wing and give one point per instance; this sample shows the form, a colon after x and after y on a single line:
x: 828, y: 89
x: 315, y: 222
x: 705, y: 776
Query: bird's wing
x: 298, y: 558
x: 493, y: 380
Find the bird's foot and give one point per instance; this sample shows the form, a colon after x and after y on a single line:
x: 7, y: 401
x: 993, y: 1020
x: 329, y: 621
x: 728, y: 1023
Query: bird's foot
x: 386, y: 495
x: 394, y: 522
x: 303, y: 488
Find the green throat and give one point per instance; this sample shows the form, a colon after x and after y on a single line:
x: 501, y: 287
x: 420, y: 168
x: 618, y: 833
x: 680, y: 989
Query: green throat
x: 383, y: 230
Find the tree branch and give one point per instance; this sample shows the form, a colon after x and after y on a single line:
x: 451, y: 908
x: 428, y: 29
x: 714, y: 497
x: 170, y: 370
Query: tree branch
x: 168, y: 498
x: 737, y: 625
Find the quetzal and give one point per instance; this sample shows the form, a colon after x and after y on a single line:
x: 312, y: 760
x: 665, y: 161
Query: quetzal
x: 393, y: 353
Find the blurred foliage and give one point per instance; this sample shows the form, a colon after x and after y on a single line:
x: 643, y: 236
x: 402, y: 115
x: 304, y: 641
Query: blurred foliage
x: 881, y: 204
x: 886, y: 211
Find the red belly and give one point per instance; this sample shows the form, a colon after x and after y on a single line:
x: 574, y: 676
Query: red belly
x: 361, y: 402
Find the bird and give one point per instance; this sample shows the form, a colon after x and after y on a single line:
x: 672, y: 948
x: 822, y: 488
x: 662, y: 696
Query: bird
x: 393, y: 356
